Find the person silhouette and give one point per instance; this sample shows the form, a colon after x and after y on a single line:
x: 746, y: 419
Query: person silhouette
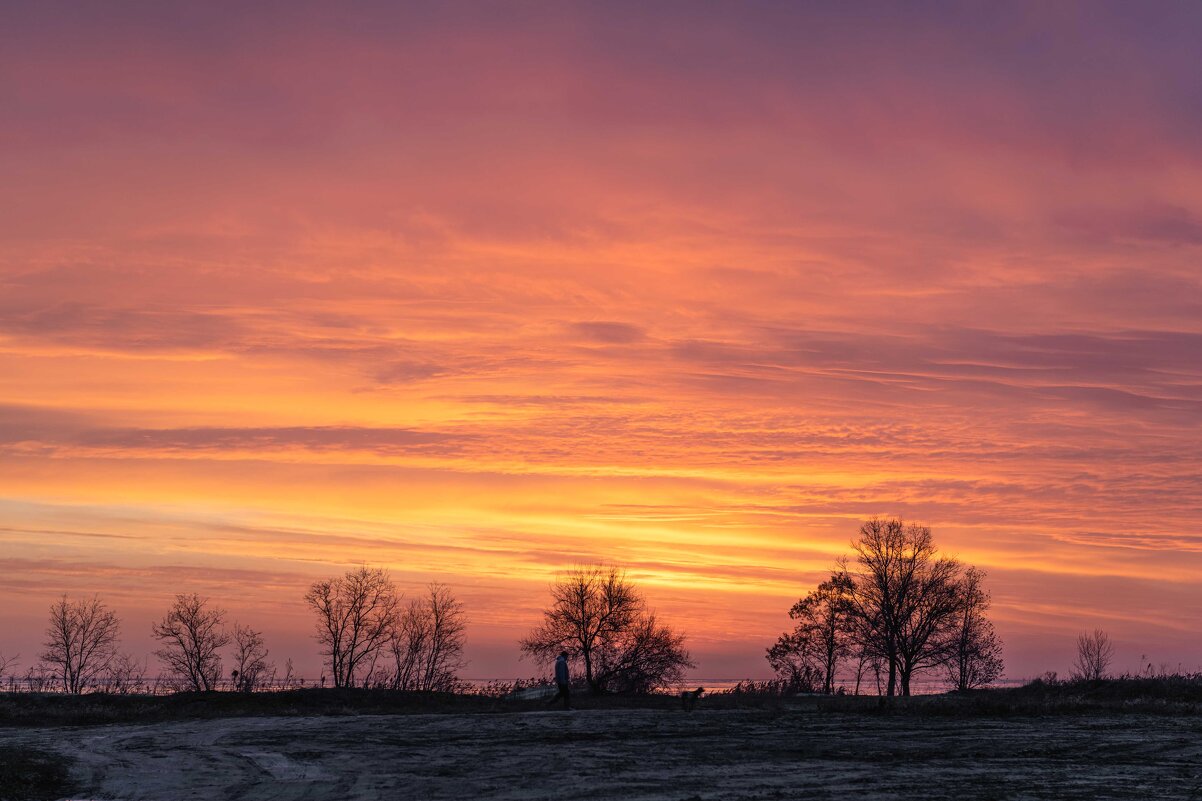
x: 563, y: 681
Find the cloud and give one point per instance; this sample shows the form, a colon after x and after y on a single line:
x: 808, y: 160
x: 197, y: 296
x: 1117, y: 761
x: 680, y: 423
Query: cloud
x: 1154, y: 223
x: 20, y: 423
x: 608, y: 333
x: 406, y: 372
x: 70, y: 430
x: 122, y: 329
x: 309, y: 437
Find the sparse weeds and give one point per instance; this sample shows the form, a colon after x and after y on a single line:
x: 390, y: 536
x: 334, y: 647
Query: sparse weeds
x: 1170, y: 694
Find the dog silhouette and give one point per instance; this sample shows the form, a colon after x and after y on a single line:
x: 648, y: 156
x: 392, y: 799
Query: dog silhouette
x: 688, y: 698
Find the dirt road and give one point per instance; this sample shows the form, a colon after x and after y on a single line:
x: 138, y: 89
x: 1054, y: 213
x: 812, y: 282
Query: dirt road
x: 634, y: 754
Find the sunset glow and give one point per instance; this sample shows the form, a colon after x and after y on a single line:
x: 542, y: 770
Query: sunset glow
x: 479, y: 293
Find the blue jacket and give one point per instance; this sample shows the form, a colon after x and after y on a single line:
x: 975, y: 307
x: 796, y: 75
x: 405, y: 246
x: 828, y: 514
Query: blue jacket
x: 561, y: 671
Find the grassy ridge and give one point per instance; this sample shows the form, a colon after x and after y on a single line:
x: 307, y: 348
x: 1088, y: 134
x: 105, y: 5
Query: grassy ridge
x: 1166, y: 695
x: 1171, y: 695
x: 47, y: 709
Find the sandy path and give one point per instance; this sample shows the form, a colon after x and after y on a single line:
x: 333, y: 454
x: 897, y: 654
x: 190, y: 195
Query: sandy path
x: 636, y: 755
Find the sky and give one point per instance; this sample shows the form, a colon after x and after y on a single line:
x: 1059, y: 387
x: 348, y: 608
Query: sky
x: 480, y: 292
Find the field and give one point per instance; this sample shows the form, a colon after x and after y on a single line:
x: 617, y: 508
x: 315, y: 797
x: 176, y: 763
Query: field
x: 636, y: 750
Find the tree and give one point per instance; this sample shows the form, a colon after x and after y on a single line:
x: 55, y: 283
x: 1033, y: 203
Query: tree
x: 895, y: 606
x: 646, y: 656
x: 427, y: 646
x: 126, y: 675
x: 901, y: 596
x: 975, y: 655
x: 808, y: 657
x: 599, y: 617
x: 81, y: 642
x: 1094, y: 655
x: 192, y: 634
x: 356, y: 620
x: 868, y: 663
x: 250, y: 659
x: 794, y: 658
x: 7, y: 663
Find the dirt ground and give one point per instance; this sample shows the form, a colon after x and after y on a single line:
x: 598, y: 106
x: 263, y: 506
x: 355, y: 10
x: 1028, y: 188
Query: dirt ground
x: 634, y: 754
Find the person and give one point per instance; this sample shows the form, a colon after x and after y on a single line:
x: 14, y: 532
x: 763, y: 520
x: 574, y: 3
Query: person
x: 563, y: 681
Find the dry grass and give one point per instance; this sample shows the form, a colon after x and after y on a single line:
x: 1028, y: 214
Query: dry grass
x: 1158, y: 695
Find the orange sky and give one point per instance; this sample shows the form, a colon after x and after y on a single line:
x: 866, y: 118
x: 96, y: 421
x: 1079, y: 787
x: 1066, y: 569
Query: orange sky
x: 480, y: 293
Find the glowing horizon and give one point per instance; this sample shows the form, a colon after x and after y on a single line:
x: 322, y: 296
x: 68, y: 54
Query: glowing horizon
x: 477, y: 294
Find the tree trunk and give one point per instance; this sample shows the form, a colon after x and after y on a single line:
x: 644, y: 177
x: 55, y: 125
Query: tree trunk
x: 588, y: 671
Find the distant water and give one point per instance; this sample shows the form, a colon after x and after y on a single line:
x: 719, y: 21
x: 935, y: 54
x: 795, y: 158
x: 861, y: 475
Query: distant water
x: 867, y: 687
x: 917, y: 687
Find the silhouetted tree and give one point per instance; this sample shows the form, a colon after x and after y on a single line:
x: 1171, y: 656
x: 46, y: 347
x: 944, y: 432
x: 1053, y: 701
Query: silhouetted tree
x: 7, y: 663
x: 867, y: 663
x: 250, y: 659
x: 127, y: 674
x: 975, y: 653
x: 895, y: 606
x: 794, y: 658
x: 427, y: 646
x: 645, y: 656
x: 356, y: 620
x: 599, y: 617
x: 192, y: 634
x: 1094, y: 655
x: 40, y: 678
x: 808, y: 657
x: 81, y: 642
x: 902, y: 598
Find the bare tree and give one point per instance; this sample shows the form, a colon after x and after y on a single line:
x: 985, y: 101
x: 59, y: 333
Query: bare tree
x: 929, y: 620
x: 975, y: 653
x: 356, y: 620
x: 192, y: 634
x: 599, y: 617
x: 794, y: 657
x: 126, y: 675
x: 40, y: 678
x: 589, y: 605
x: 81, y: 642
x: 646, y: 656
x: 896, y: 605
x: 902, y: 598
x: 808, y: 657
x: 867, y: 663
x: 408, y: 646
x: 1094, y: 655
x: 250, y: 659
x: 427, y: 646
x: 7, y: 663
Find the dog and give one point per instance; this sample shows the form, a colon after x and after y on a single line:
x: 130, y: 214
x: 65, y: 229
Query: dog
x: 688, y: 698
